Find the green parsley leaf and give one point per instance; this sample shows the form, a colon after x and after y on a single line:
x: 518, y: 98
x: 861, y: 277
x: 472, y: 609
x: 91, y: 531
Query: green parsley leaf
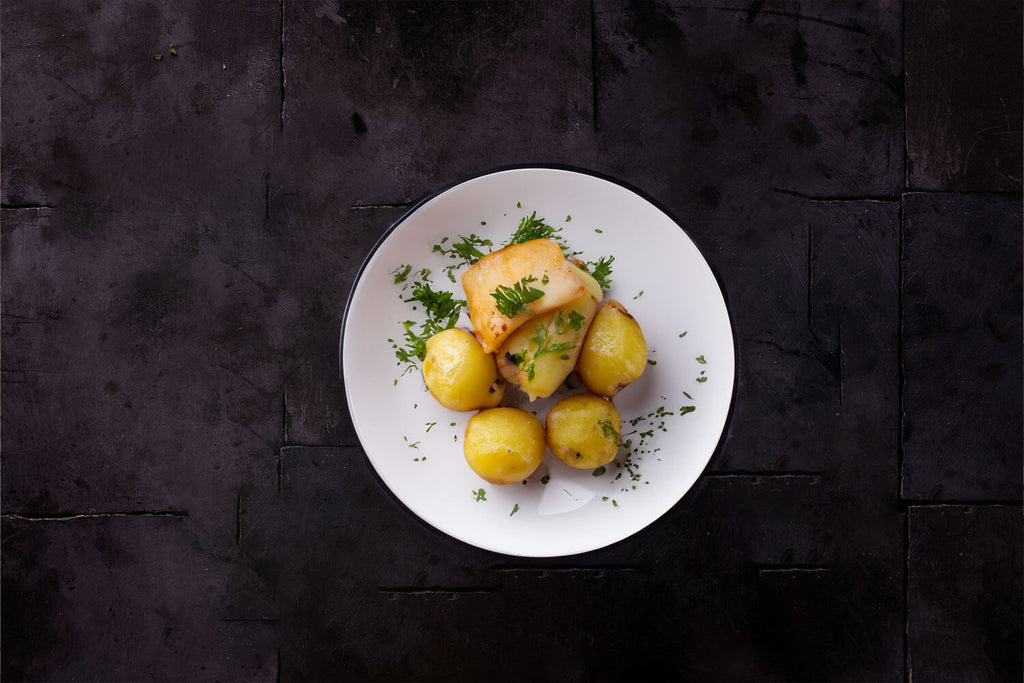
x: 601, y: 270
x: 511, y: 300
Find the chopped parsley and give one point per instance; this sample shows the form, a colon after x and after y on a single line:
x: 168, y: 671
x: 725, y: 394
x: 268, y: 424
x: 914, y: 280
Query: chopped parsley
x: 544, y: 345
x: 598, y: 472
x: 601, y: 270
x: 480, y: 494
x: 533, y: 228
x: 608, y: 429
x: 442, y: 309
x: 465, y: 252
x: 402, y: 273
x: 511, y: 300
x: 515, y: 509
x: 687, y: 409
x: 564, y: 325
x: 700, y: 359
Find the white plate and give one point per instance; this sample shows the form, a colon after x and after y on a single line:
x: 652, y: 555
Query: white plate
x: 415, y: 445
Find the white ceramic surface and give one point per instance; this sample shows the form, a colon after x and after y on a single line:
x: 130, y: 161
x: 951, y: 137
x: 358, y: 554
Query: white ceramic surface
x: 415, y: 445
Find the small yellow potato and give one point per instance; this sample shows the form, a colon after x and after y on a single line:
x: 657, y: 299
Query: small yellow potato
x: 459, y: 374
x: 584, y: 431
x: 542, y: 352
x: 614, y: 352
x: 535, y: 268
x: 503, y: 445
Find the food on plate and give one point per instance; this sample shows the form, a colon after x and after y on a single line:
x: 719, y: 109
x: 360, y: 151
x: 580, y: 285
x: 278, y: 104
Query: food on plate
x: 542, y: 352
x: 508, y: 287
x: 503, y: 445
x: 584, y: 431
x: 614, y: 352
x: 459, y: 373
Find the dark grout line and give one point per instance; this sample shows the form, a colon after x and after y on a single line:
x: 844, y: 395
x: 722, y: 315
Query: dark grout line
x: 842, y: 373
x: 837, y: 198
x: 593, y: 67
x: 26, y: 207
x: 906, y: 596
x: 281, y: 65
x: 284, y: 419
x: 764, y: 568
x: 775, y: 474
x: 952, y: 502
x: 67, y: 516
x: 906, y: 126
x: 436, y: 590
x: 900, y: 367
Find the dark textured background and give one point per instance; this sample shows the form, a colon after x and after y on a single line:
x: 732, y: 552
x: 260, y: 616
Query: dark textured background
x: 184, y: 497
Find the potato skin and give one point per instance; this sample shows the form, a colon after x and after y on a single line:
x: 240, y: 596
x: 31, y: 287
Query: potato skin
x: 503, y: 445
x: 584, y: 431
x: 614, y: 353
x: 459, y: 374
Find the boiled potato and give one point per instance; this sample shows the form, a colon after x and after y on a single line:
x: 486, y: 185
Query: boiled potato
x: 503, y: 445
x: 614, y: 352
x: 584, y: 431
x: 534, y: 266
x: 541, y: 354
x: 459, y: 374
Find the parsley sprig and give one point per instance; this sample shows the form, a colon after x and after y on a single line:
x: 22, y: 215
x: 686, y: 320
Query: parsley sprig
x: 510, y: 300
x: 443, y: 311
x: 464, y: 252
x: 542, y: 341
x: 601, y: 271
x: 533, y: 228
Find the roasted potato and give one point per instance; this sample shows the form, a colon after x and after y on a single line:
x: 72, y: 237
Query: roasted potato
x: 584, y: 431
x: 614, y: 352
x: 503, y: 445
x: 459, y: 374
x: 496, y: 284
x: 541, y: 353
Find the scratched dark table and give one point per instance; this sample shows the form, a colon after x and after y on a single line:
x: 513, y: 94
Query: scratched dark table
x: 189, y: 189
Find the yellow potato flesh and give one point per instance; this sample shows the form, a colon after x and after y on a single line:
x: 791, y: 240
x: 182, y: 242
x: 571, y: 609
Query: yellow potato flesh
x: 584, y: 431
x: 557, y: 342
x: 503, y: 445
x: 459, y: 374
x: 614, y: 352
x: 541, y: 262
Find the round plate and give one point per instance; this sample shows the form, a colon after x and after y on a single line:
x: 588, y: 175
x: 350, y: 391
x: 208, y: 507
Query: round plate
x: 672, y: 417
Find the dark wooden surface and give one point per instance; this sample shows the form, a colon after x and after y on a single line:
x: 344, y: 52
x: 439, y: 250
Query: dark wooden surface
x: 183, y: 494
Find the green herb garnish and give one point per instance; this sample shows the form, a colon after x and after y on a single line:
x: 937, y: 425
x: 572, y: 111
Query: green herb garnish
x: 480, y: 494
x: 608, y: 429
x: 544, y: 345
x: 401, y: 273
x: 598, y: 472
x: 601, y: 270
x: 687, y: 409
x: 574, y: 322
x: 533, y: 228
x: 511, y: 300
x: 515, y: 509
